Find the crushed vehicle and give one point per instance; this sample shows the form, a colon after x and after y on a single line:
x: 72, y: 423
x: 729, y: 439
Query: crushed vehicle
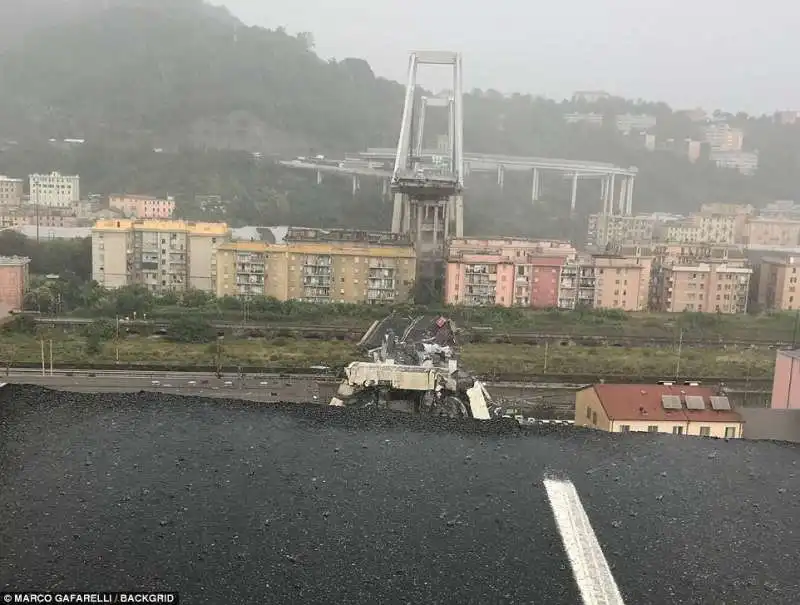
x: 414, y: 368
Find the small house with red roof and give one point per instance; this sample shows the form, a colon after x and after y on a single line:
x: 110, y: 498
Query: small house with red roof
x: 680, y: 409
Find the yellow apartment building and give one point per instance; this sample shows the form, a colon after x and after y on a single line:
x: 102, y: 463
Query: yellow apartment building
x: 10, y: 192
x: 657, y: 408
x: 162, y: 255
x: 719, y: 287
x: 317, y: 271
x: 777, y: 283
x: 622, y: 282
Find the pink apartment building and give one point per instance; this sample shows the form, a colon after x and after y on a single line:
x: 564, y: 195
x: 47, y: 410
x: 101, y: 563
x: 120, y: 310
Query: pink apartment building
x: 13, y: 282
x: 142, y: 206
x: 786, y: 383
x: 505, y: 271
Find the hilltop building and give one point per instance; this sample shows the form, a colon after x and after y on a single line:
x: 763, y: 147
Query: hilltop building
x: 142, y: 206
x: 54, y: 190
x: 746, y: 162
x: 627, y: 123
x: 722, y: 137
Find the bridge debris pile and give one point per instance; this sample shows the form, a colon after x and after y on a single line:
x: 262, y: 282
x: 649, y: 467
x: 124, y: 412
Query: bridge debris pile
x: 415, y: 369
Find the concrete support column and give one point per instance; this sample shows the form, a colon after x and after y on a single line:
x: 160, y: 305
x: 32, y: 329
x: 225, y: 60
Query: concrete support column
x: 611, y: 194
x: 436, y: 211
x: 629, y: 204
x: 449, y: 213
x: 604, y: 193
x: 419, y: 210
x: 459, y: 216
x: 384, y: 187
x: 574, y: 192
x: 536, y: 185
x: 501, y: 175
x: 623, y: 195
x: 319, y: 177
x: 356, y: 184
x: 406, y: 215
x: 397, y: 212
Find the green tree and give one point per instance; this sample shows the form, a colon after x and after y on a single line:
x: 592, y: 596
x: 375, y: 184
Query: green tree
x: 190, y: 330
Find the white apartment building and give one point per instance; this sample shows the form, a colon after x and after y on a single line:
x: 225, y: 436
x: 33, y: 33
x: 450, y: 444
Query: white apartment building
x: 54, y: 190
x: 628, y: 122
x: 592, y: 119
x: 606, y: 229
x: 744, y: 161
x: 721, y: 137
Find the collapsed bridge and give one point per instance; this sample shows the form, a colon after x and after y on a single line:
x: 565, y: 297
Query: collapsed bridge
x: 414, y: 368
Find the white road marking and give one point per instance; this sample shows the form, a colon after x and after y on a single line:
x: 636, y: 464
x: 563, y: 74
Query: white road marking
x: 589, y: 565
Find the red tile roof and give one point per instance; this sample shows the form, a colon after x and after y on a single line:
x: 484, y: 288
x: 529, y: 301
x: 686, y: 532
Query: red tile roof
x: 643, y: 402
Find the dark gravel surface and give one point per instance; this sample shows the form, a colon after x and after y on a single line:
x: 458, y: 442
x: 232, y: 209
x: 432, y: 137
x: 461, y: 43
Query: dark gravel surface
x: 240, y: 502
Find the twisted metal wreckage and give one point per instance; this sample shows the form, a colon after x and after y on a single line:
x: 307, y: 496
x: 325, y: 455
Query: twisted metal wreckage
x: 416, y: 371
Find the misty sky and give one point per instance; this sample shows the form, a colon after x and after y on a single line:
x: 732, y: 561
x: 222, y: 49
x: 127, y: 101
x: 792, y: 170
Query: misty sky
x: 729, y: 54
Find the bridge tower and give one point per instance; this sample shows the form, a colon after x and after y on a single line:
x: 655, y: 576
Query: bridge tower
x: 428, y: 187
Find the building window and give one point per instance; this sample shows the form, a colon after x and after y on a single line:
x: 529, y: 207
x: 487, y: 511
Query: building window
x: 677, y: 430
x: 594, y: 417
x: 653, y: 428
x: 705, y: 431
x: 624, y: 428
x: 588, y: 413
x: 730, y: 432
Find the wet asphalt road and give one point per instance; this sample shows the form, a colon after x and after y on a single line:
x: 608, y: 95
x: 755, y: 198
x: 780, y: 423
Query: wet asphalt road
x: 236, y: 502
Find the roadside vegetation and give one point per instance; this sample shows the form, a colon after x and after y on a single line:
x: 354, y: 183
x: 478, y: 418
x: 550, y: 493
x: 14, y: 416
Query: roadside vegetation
x: 69, y: 296
x: 196, y: 343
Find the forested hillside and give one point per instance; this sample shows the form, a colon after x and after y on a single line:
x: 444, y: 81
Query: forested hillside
x: 133, y: 75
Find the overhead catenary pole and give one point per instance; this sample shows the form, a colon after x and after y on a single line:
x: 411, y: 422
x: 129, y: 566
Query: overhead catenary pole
x: 680, y: 350
x: 41, y: 341
x: 51, y: 357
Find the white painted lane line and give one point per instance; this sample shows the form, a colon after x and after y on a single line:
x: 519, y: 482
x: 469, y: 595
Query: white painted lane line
x: 589, y: 565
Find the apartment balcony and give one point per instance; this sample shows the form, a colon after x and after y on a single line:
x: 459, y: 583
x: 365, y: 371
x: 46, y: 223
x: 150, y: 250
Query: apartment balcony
x: 317, y: 270
x: 377, y: 273
x: 317, y: 282
x: 320, y: 261
x: 249, y: 279
x: 380, y: 295
x: 250, y: 268
x: 382, y: 284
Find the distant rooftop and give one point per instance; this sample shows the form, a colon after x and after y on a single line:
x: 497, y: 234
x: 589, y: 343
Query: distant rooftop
x: 256, y: 233
x: 647, y: 402
x: 54, y: 232
x: 306, y: 234
x: 14, y: 260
